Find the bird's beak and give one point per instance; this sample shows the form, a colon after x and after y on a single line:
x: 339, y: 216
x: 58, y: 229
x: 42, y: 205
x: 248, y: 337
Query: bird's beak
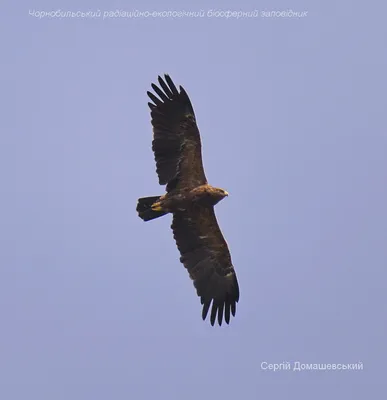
x: 226, y: 193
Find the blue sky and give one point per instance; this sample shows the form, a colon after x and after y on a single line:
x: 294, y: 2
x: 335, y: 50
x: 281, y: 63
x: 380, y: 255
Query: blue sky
x: 94, y: 302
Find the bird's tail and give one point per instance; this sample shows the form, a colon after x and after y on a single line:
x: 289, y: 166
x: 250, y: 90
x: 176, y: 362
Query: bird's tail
x: 144, y: 208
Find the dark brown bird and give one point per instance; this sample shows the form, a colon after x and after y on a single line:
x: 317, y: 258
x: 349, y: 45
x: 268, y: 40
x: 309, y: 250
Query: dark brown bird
x: 177, y: 150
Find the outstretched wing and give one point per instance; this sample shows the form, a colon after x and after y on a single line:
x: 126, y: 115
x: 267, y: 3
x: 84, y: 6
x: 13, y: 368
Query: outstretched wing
x: 205, y: 254
x: 176, y: 138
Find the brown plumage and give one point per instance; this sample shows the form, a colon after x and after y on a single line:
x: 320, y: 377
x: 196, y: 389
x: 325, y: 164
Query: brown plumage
x: 204, y: 252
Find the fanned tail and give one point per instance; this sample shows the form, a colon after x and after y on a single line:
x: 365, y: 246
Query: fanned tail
x: 144, y: 208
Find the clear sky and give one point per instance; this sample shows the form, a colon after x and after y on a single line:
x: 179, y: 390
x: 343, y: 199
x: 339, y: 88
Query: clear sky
x: 94, y: 303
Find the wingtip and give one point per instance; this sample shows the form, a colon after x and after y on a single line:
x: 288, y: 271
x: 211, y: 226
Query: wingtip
x: 163, y: 78
x: 218, y: 312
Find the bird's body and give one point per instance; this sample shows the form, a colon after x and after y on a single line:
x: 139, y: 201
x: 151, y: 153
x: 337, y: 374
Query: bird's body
x: 185, y: 199
x: 191, y: 200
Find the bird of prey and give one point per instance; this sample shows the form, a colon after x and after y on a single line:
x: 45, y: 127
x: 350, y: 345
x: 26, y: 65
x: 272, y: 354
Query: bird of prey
x: 190, y: 199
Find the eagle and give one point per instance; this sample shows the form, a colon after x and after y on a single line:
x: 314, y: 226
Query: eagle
x: 190, y: 199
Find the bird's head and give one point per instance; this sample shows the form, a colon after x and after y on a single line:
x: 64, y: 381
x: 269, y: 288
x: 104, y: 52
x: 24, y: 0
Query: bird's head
x: 220, y: 194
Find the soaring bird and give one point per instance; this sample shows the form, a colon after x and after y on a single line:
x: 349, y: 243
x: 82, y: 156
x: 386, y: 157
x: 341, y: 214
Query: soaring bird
x: 190, y: 199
